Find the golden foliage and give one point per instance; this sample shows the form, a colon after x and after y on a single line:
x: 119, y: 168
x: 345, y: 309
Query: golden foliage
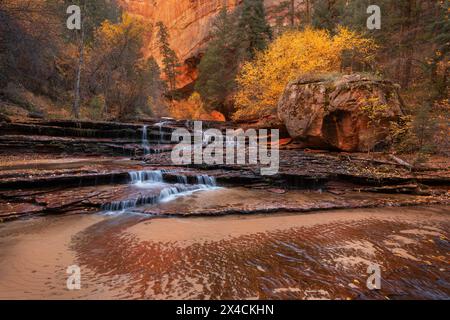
x: 131, y: 28
x: 262, y: 81
x: 193, y: 109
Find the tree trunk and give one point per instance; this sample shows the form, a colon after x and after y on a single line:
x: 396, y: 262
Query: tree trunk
x: 308, y: 12
x: 76, y: 103
x: 409, y: 43
x: 106, y: 90
x: 292, y: 13
x: 407, y: 70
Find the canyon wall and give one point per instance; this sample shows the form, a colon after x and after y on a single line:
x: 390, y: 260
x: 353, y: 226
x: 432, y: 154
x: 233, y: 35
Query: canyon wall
x: 188, y: 22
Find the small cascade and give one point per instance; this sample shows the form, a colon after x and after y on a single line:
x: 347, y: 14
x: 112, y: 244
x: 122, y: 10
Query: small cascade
x: 206, y: 180
x: 182, y: 179
x: 157, y: 176
x: 161, y: 135
x: 152, y: 177
x: 145, y: 145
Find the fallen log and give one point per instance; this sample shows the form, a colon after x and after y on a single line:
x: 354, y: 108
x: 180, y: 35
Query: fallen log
x: 401, y: 162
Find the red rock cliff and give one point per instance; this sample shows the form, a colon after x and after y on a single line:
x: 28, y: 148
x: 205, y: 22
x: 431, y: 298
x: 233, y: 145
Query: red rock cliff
x: 188, y: 22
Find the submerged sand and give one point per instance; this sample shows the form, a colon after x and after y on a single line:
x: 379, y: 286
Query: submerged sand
x: 323, y: 255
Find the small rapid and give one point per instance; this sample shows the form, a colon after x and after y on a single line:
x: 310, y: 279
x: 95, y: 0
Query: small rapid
x: 154, y: 189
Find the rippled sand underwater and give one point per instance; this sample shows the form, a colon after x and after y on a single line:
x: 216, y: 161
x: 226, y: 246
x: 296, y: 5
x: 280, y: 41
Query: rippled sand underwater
x: 323, y: 255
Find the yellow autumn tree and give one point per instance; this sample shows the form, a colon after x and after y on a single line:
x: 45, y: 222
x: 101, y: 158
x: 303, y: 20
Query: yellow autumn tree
x: 191, y: 108
x: 117, y: 69
x: 262, y: 81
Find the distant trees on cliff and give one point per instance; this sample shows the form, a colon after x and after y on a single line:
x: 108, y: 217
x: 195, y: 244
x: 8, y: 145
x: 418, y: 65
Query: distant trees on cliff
x: 94, y: 13
x: 235, y: 37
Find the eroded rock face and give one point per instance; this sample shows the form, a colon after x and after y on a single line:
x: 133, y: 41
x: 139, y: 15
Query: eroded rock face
x: 189, y: 23
x: 350, y: 113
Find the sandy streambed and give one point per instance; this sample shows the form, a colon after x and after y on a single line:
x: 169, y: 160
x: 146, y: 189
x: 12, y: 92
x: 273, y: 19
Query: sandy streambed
x: 315, y: 256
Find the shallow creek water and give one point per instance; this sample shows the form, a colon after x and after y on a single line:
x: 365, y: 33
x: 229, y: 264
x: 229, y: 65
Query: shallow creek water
x: 323, y: 255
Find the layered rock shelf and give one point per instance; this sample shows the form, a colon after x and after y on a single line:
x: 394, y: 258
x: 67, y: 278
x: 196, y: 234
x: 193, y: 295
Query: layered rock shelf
x: 55, y: 167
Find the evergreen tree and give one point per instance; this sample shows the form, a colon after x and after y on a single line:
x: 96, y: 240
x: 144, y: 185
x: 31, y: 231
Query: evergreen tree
x: 157, y: 88
x: 328, y: 14
x: 170, y: 60
x: 254, y: 31
x: 409, y: 28
x: 218, y: 68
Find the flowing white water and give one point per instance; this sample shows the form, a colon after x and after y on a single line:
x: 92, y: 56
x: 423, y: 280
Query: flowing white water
x: 154, y: 176
x: 206, y: 180
x: 165, y: 195
x: 145, y: 145
x: 152, y: 180
x: 161, y: 135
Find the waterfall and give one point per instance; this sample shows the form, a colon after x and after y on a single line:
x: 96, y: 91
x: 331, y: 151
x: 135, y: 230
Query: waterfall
x: 182, y: 179
x: 206, y: 180
x: 165, y: 195
x: 182, y: 187
x: 145, y: 145
x: 146, y: 176
x: 161, y: 135
x: 160, y: 139
x: 156, y: 176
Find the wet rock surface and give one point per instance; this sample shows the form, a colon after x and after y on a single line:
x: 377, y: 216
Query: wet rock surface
x: 36, y: 178
x: 141, y: 227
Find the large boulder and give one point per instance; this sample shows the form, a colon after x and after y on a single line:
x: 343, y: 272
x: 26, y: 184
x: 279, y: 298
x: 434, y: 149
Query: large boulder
x: 347, y: 113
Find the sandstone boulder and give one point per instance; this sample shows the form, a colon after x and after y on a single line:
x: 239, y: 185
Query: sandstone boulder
x: 347, y: 113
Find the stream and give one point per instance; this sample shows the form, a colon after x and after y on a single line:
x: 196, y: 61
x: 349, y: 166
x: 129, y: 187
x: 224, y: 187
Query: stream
x: 324, y: 255
x: 138, y: 228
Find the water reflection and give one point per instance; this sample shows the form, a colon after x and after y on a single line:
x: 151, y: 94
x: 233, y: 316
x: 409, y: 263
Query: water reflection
x: 318, y: 256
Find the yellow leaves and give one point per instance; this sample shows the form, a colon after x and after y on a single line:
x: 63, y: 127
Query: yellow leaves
x: 349, y: 40
x: 262, y: 81
x: 131, y: 27
x: 192, y: 109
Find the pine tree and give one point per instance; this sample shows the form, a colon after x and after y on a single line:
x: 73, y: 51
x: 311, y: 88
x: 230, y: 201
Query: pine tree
x: 328, y: 13
x: 218, y: 68
x: 157, y: 87
x: 254, y: 31
x: 170, y: 59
